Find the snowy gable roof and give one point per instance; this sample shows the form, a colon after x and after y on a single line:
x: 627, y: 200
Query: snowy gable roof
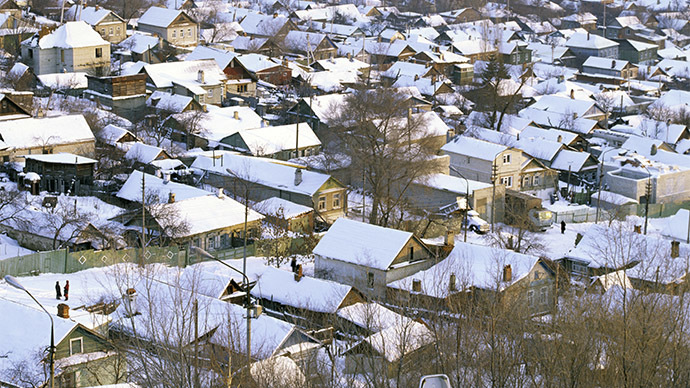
x: 563, y: 105
x: 371, y: 316
x: 131, y: 190
x: 90, y: 15
x: 308, y: 293
x: 27, y: 332
x: 587, y: 40
x: 271, y: 140
x: 399, y: 340
x: 263, y: 25
x: 32, y: 132
x: 473, y: 266
x: 175, y: 103
x: 264, y: 172
x: 111, y: 134
x: 164, y: 75
x: 342, y: 64
x: 144, y: 153
x: 300, y: 40
x: 618, y: 246
x: 567, y: 160
x: 207, y: 213
x: 256, y: 62
x: 361, y: 243
x: 222, y: 57
x: 219, y: 123
x: 563, y: 137
x: 72, y: 35
x: 559, y: 120
x: 139, y: 43
x: 159, y: 17
x: 451, y: 183
x: 605, y: 63
x: 476, y: 148
x: 281, y: 208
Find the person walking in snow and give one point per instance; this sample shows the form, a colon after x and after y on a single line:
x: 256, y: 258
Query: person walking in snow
x: 562, y: 227
x: 58, y: 290
x: 66, y: 292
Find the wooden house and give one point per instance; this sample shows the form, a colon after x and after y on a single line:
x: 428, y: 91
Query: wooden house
x: 174, y: 26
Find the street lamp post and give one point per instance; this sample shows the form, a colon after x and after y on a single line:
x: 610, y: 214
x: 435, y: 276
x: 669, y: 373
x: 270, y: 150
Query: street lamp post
x: 12, y: 281
x: 248, y: 303
x: 648, y: 193
x: 467, y: 200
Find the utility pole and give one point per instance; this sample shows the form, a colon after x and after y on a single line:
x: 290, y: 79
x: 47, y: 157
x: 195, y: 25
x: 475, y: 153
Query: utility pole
x: 246, y: 286
x: 494, y: 176
x: 648, y: 194
x: 195, y: 306
x: 143, y: 216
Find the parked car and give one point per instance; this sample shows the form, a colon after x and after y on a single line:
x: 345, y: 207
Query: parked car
x: 476, y: 223
x: 434, y: 381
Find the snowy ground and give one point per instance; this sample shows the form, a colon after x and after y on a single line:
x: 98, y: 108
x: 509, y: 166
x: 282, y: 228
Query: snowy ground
x: 10, y: 248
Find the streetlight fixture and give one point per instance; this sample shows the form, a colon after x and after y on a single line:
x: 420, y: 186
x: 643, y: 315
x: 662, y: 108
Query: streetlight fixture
x: 12, y: 281
x: 248, y: 303
x: 467, y: 199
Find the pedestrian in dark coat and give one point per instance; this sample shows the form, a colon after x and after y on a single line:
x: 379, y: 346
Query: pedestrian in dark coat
x: 58, y: 290
x: 293, y: 264
x: 66, y: 291
x: 562, y: 227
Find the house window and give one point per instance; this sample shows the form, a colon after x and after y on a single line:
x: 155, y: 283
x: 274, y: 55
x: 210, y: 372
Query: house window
x: 506, y: 159
x: 530, y: 298
x: 76, y: 346
x: 580, y: 269
x: 31, y: 53
x: 241, y: 88
x: 174, y: 34
x: 543, y: 295
x: 110, y: 30
x: 189, y: 32
x: 507, y: 181
x: 322, y: 202
x: 525, y: 181
x: 99, y: 52
x: 210, y: 93
x: 535, y: 180
x: 336, y: 201
x: 370, y: 279
x: 102, y: 31
x: 118, y: 30
x: 181, y: 33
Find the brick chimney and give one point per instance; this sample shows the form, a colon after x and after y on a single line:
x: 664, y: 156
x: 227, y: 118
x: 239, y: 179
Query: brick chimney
x: 675, y: 249
x: 236, y: 115
x: 63, y: 310
x: 507, y: 273
x: 171, y: 197
x: 572, y: 94
x: 298, y: 176
x: 416, y: 285
x: 451, y: 284
x: 200, y: 77
x: 449, y: 239
x: 298, y: 273
x: 638, y: 229
x: 130, y: 299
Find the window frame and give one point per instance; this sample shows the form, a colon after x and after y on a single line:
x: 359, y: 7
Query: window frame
x: 506, y: 158
x: 321, y: 203
x: 71, y: 346
x: 371, y: 280
x: 336, y: 201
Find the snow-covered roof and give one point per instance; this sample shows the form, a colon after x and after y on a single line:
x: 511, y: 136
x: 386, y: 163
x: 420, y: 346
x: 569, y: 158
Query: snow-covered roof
x: 559, y: 120
x: 264, y: 172
x: 90, y: 15
x: 139, y: 42
x: 324, y: 105
x: 263, y: 25
x: 399, y: 340
x: 131, y: 190
x: 451, y: 183
x: 587, y: 40
x: 222, y: 57
x: 219, y: 123
x: 282, y: 208
x: 159, y: 17
x: 25, y: 332
x: 17, y: 70
x: 143, y: 153
x: 111, y: 134
x: 33, y: 132
x: 476, y: 148
x: 64, y: 81
x: 370, y: 316
x: 361, y: 243
x: 270, y: 140
x: 308, y: 293
x: 605, y: 63
x: 473, y: 266
x: 72, y: 35
x: 568, y: 160
x: 185, y: 73
x: 175, y: 103
x: 552, y: 134
x: 207, y: 213
x: 618, y: 246
x: 565, y: 105
x: 61, y: 158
